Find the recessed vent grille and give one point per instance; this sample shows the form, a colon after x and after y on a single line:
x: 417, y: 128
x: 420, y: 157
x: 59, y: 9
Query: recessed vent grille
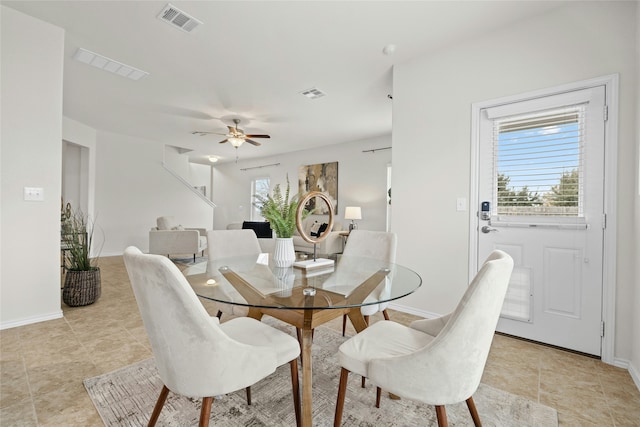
x: 313, y: 93
x: 174, y: 16
x: 108, y: 64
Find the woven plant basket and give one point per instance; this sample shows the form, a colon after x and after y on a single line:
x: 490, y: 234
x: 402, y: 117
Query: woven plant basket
x: 81, y: 287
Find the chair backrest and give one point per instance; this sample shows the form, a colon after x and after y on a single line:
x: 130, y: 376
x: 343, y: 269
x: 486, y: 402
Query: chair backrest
x: 193, y: 355
x: 458, y: 354
x: 230, y: 243
x: 380, y: 245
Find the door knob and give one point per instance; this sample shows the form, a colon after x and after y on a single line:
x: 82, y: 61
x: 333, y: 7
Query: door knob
x: 486, y: 229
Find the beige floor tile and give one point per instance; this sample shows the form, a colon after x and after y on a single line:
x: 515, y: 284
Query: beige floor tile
x: 68, y: 406
x: 20, y: 414
x: 14, y: 383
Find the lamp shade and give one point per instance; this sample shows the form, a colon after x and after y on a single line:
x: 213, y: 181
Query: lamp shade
x: 352, y: 212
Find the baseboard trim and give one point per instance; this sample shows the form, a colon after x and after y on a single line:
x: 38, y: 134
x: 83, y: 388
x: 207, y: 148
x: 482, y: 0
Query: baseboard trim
x: 414, y: 311
x: 635, y: 375
x: 31, y: 320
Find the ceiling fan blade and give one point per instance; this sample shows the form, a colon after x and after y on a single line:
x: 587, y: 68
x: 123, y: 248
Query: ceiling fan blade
x: 223, y: 141
x: 203, y: 133
x: 252, y: 142
x: 257, y: 136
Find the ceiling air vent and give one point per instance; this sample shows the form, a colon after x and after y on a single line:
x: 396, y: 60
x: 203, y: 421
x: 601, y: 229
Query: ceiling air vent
x: 174, y: 16
x: 313, y: 93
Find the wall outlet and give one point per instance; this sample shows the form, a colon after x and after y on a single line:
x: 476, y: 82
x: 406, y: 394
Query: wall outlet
x: 34, y: 194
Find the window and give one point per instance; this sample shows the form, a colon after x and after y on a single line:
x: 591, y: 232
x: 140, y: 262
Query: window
x: 259, y: 187
x: 538, y: 162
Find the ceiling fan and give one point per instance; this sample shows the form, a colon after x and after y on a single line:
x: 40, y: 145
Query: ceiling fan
x: 235, y: 136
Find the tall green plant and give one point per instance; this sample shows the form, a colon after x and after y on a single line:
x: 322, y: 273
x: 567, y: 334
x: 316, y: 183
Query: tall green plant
x: 77, y: 238
x: 280, y: 211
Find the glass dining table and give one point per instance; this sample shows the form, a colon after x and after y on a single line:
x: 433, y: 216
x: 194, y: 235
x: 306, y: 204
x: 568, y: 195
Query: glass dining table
x: 303, y: 297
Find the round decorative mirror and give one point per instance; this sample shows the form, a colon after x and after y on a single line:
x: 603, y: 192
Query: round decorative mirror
x: 301, y: 205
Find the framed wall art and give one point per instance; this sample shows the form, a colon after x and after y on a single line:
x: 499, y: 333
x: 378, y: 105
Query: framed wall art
x: 321, y: 177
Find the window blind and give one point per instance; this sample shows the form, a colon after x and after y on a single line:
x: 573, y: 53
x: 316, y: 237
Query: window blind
x: 538, y: 163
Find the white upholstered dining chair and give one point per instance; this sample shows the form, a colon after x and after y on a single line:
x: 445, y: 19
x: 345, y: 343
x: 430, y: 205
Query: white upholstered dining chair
x: 435, y: 361
x: 195, y: 354
x: 379, y: 245
x: 232, y: 243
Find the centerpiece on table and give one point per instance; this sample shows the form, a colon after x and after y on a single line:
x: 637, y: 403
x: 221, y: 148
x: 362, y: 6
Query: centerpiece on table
x: 82, y: 285
x: 280, y: 211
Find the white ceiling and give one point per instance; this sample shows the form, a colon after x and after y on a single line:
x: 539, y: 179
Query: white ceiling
x: 251, y: 60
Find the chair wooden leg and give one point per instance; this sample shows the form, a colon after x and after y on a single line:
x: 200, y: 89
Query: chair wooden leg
x: 248, y: 392
x: 474, y: 412
x: 295, y: 385
x: 364, y: 381
x: 441, y: 414
x: 342, y: 391
x: 159, y: 404
x: 205, y: 412
x: 378, y: 394
x: 194, y: 257
x: 344, y: 324
x: 385, y: 313
x: 219, y: 315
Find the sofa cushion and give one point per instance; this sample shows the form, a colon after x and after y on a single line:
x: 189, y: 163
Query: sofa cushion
x: 166, y: 223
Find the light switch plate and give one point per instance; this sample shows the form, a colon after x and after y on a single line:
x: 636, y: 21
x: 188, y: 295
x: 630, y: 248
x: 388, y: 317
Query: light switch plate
x: 461, y: 204
x: 34, y: 194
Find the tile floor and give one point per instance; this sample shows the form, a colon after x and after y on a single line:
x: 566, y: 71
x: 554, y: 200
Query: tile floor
x: 43, y: 365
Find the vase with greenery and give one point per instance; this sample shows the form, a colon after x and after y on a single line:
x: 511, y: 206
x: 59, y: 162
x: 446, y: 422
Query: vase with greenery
x: 280, y: 210
x: 82, y: 285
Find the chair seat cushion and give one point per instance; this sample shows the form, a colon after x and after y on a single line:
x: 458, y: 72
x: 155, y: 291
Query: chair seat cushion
x: 253, y: 332
x: 381, y: 340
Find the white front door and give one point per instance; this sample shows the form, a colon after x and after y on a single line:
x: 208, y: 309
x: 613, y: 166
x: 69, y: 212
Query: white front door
x: 541, y: 189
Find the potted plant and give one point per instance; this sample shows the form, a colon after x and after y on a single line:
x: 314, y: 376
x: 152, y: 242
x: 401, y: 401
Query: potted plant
x: 280, y: 211
x: 82, y: 276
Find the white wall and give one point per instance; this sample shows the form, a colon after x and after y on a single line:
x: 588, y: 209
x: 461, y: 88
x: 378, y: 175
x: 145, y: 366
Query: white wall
x: 635, y: 357
x: 78, y: 165
x: 31, y: 146
x: 200, y: 175
x: 133, y: 189
x: 362, y: 180
x: 431, y: 137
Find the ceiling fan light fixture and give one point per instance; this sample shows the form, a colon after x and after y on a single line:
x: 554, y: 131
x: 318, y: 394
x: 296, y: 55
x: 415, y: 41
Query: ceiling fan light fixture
x: 236, y: 142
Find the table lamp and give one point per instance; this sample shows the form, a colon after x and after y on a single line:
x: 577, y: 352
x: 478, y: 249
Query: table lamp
x: 352, y: 213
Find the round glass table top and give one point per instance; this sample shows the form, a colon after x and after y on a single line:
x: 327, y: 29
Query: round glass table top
x: 349, y: 282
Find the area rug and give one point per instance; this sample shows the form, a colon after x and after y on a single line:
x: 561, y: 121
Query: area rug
x: 126, y: 398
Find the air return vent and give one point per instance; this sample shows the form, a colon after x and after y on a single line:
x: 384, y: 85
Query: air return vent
x: 313, y: 93
x: 174, y: 16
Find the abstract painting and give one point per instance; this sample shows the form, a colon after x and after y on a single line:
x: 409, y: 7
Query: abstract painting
x: 321, y: 177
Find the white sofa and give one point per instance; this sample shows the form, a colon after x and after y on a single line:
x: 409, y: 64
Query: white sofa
x: 333, y: 244
x: 170, y: 238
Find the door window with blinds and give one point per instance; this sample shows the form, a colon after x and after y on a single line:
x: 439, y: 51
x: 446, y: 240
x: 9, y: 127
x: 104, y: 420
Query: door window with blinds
x: 538, y: 162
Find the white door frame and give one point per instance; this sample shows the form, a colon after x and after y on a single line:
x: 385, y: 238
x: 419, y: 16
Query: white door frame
x: 610, y: 192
